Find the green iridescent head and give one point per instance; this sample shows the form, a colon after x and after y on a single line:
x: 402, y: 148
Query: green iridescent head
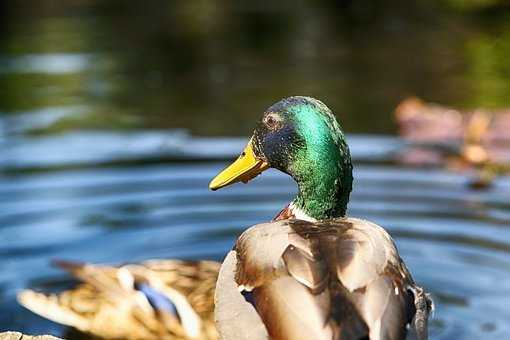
x: 301, y: 137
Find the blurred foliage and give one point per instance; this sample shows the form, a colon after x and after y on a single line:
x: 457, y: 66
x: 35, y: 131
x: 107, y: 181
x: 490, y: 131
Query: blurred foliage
x: 48, y: 35
x: 488, y: 71
x: 213, y: 67
x: 475, y: 5
x: 32, y: 91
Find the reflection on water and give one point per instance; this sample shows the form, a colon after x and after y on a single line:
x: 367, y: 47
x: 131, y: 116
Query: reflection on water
x: 96, y: 100
x: 456, y: 241
x: 214, y: 68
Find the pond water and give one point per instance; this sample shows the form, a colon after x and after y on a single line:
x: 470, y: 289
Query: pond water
x: 104, y: 204
x: 114, y: 117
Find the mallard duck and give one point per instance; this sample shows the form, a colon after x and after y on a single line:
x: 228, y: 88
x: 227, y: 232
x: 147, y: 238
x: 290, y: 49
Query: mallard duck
x: 156, y: 299
x: 313, y: 272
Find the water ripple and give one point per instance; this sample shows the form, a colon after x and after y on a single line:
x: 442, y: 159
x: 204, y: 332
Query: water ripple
x: 166, y: 210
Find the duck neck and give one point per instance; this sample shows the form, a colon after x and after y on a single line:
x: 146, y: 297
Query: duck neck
x: 324, y: 184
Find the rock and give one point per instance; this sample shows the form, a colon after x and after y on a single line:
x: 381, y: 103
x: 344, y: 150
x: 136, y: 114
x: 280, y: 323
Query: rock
x: 20, y: 336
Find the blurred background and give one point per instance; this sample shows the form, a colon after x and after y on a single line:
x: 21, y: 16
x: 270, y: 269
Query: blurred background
x: 114, y: 116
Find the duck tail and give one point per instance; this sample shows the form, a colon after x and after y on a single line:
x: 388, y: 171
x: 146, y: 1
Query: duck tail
x: 50, y: 307
x: 101, y: 277
x: 69, y: 266
x: 72, y: 267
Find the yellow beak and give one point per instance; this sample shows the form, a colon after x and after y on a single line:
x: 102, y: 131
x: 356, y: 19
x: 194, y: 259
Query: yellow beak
x: 246, y: 167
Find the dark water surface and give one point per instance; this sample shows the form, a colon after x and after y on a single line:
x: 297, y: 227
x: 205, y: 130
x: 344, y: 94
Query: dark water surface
x: 212, y: 67
x: 101, y: 104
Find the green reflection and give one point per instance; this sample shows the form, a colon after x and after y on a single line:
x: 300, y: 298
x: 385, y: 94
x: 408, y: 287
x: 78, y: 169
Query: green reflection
x: 473, y: 4
x: 488, y: 70
x: 214, y: 67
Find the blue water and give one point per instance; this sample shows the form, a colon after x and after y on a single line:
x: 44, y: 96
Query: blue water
x: 118, y: 203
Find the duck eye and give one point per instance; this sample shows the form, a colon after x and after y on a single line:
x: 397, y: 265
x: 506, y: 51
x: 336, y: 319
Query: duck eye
x: 271, y: 121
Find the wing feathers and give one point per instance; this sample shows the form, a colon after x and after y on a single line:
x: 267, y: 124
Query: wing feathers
x: 115, y: 302
x: 311, y: 272
x: 291, y: 311
x: 50, y: 307
x: 340, y: 279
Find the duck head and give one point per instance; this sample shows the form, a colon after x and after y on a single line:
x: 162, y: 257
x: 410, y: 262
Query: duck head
x: 301, y: 137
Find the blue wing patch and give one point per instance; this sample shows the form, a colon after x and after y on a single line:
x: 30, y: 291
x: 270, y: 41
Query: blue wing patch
x: 158, y: 300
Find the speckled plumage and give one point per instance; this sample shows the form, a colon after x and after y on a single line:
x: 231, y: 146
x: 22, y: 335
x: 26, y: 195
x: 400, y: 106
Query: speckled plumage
x: 110, y: 304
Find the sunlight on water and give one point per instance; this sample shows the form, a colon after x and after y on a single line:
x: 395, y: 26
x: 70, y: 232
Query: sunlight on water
x: 45, y: 63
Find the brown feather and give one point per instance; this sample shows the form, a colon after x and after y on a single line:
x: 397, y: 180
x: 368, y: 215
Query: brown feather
x: 285, y: 214
x: 106, y: 306
x: 340, y: 279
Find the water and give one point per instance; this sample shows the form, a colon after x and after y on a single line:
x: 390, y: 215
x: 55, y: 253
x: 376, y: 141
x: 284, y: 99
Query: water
x: 113, y: 119
x: 131, y: 207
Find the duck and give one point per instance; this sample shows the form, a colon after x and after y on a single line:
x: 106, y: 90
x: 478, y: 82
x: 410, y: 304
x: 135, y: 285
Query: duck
x: 312, y: 272
x: 473, y: 142
x: 155, y: 299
